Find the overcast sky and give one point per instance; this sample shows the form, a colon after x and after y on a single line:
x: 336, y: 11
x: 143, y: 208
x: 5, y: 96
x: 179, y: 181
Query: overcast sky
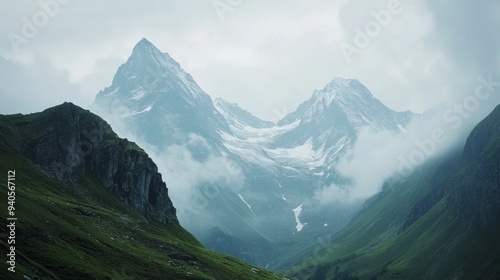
x: 266, y: 55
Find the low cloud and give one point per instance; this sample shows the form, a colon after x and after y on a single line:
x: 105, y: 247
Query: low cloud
x: 466, y: 82
x: 379, y: 154
x: 194, y: 182
x: 366, y: 166
x: 34, y: 86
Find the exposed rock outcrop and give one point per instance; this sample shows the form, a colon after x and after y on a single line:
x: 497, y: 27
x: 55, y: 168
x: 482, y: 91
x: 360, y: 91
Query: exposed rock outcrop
x: 69, y: 142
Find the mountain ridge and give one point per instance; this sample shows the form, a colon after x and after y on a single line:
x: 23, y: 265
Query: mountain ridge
x: 238, y: 116
x: 278, y: 166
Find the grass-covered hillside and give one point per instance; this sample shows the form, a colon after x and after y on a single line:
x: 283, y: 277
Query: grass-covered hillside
x: 79, y: 219
x: 443, y: 222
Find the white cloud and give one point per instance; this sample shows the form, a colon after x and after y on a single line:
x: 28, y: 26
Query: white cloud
x: 35, y: 86
x: 373, y: 159
x: 264, y: 55
x: 193, y: 184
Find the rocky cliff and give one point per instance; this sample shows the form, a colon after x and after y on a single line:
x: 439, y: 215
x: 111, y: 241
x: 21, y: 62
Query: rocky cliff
x: 70, y: 143
x: 478, y: 202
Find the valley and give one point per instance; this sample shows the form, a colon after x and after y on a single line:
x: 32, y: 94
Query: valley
x: 170, y: 183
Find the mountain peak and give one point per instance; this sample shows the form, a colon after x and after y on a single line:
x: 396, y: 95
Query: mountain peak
x: 144, y: 41
x: 342, y: 88
x: 145, y: 52
x: 148, y: 70
x: 145, y: 45
x: 349, y: 99
x: 341, y: 81
x: 150, y: 83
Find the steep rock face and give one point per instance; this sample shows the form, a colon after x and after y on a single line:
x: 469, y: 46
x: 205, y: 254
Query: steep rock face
x: 482, y: 139
x: 71, y: 143
x: 479, y: 200
x: 134, y: 177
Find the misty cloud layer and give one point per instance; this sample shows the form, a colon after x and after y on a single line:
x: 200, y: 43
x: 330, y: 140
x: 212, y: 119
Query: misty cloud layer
x: 265, y: 55
x: 32, y: 87
x: 440, y: 58
x: 471, y: 49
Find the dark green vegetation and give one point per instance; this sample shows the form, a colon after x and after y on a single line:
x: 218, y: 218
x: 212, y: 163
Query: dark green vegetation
x: 93, y: 206
x: 442, y: 222
x: 78, y: 219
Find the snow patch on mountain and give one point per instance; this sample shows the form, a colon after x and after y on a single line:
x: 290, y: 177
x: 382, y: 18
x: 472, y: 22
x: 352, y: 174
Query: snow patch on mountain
x: 304, y: 154
x: 237, y: 117
x: 297, y: 211
x: 138, y: 95
x: 279, y: 185
x: 115, y: 90
x: 248, y: 205
x: 402, y: 128
x: 260, y: 135
x: 249, y: 142
x: 147, y: 109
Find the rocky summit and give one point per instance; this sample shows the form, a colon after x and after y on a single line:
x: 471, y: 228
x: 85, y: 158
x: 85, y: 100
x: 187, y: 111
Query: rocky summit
x: 71, y: 142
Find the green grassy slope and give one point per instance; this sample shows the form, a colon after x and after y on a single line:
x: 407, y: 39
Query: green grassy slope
x: 440, y: 223
x: 83, y: 231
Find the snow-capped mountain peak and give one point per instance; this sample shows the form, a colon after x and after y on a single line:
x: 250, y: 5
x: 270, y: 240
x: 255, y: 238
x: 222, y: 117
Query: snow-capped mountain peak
x: 148, y: 71
x: 213, y: 144
x: 331, y: 119
x: 156, y: 94
x: 341, y: 89
x: 343, y: 99
x: 346, y: 93
x: 145, y: 52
